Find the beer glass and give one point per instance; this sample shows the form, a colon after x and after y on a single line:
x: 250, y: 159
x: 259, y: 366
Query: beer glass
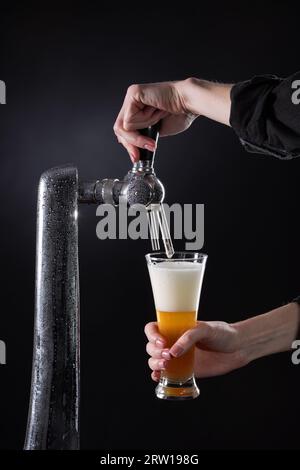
x: 176, y: 285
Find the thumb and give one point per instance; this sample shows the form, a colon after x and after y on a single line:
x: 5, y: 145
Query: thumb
x: 201, y: 332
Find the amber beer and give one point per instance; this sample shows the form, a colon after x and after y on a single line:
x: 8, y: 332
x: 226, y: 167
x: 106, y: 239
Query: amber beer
x: 172, y: 325
x: 176, y: 285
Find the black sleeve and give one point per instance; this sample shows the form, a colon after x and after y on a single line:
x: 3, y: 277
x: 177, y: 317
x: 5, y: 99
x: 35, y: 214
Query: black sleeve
x: 265, y: 114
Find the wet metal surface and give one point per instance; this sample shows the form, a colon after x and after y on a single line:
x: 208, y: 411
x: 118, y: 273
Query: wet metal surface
x: 53, y: 420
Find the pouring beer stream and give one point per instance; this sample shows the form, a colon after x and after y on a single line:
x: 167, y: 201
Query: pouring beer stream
x: 157, y: 219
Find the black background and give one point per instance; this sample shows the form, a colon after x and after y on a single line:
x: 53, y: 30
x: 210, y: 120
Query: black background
x: 66, y: 71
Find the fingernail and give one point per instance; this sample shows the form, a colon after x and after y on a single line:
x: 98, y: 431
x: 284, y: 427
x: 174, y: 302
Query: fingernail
x: 165, y: 354
x: 159, y: 343
x: 156, y: 375
x: 177, y: 351
x: 162, y: 364
x: 149, y: 147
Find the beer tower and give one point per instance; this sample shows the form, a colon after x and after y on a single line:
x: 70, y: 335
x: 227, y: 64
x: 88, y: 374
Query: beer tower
x: 53, y: 418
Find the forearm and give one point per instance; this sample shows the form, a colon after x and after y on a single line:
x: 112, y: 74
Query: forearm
x: 269, y: 333
x: 206, y: 99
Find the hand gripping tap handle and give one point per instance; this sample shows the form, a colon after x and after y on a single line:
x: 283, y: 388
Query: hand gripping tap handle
x: 153, y: 133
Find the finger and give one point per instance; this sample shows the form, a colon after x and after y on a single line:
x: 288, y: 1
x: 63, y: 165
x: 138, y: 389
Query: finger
x: 155, y: 375
x: 157, y: 353
x: 133, y: 151
x: 157, y: 364
x: 145, y: 118
x: 132, y: 137
x: 135, y: 138
x: 133, y: 115
x: 189, y: 338
x: 153, y: 335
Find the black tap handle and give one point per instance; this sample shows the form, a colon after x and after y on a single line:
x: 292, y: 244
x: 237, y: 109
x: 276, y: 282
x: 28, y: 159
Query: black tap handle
x: 153, y: 133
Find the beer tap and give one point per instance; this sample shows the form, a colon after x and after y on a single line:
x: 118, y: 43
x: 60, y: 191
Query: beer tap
x: 140, y: 186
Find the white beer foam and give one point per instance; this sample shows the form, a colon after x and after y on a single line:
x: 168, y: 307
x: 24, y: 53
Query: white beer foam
x: 176, y: 285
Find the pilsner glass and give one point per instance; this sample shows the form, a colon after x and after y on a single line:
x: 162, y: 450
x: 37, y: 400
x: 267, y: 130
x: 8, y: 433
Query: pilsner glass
x: 176, y: 285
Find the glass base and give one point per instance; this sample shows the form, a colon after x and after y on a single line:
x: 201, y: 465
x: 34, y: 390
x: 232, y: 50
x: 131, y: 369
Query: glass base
x: 170, y: 390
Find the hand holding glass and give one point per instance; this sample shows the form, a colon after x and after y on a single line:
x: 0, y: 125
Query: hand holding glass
x: 176, y: 285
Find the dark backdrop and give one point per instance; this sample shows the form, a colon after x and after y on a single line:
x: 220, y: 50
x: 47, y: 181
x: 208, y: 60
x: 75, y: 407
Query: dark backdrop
x: 66, y: 72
